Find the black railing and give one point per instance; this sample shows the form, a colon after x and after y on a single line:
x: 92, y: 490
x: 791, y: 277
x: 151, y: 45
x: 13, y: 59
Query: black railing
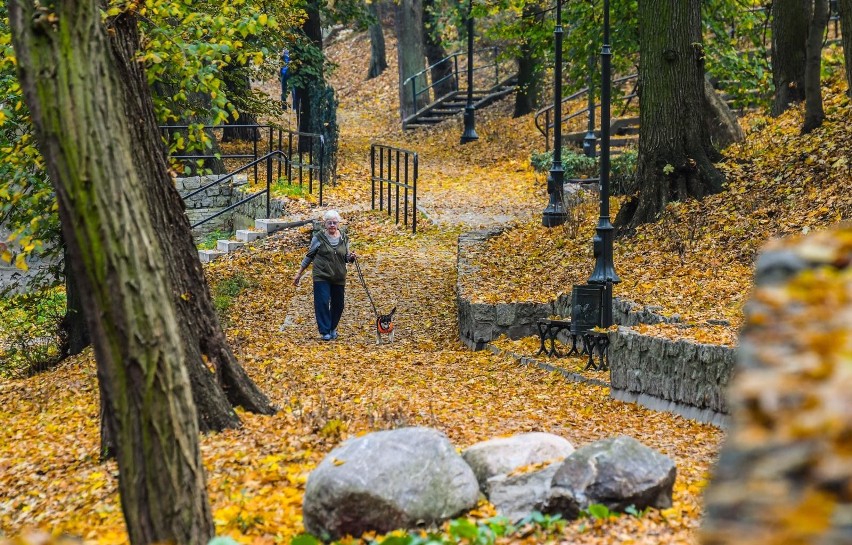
x: 545, y: 120
x: 298, y: 161
x: 392, y: 169
x: 489, y: 64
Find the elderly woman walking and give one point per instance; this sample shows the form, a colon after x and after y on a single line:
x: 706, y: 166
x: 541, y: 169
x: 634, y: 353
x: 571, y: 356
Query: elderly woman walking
x: 329, y: 252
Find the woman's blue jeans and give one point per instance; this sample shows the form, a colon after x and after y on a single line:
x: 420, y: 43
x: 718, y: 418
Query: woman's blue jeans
x: 328, y: 305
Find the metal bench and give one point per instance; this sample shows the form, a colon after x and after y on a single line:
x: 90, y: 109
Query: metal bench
x: 585, y: 317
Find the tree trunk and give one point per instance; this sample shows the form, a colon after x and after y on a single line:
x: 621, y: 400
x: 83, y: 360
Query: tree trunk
x: 218, y: 381
x: 238, y: 85
x: 378, y: 58
x: 411, y: 58
x: 441, y: 72
x: 312, y: 27
x: 722, y: 124
x: 845, y: 9
x: 77, y: 105
x: 789, y: 46
x: 529, y: 71
x: 814, y: 113
x: 675, y: 151
x: 74, y: 329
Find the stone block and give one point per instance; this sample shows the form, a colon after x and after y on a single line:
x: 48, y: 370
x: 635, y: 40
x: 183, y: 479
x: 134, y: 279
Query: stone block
x: 505, y: 314
x: 247, y: 235
x: 228, y: 245
x: 206, y: 256
x: 270, y: 226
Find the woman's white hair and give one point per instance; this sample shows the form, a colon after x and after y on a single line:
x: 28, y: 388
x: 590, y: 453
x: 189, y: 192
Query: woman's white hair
x: 331, y: 215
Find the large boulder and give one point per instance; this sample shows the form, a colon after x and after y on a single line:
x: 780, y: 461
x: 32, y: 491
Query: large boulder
x: 516, y: 495
x: 505, y: 454
x: 617, y: 472
x: 382, y: 481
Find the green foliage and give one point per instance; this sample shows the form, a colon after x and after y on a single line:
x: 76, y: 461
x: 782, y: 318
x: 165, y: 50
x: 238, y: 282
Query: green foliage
x: 282, y: 188
x: 463, y: 531
x: 623, y: 172
x: 225, y: 291
x: 574, y: 164
x: 598, y: 511
x: 30, y: 334
x: 208, y: 241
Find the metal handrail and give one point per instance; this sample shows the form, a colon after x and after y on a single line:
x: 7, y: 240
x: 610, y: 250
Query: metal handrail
x: 415, y: 93
x: 392, y: 176
x: 545, y: 112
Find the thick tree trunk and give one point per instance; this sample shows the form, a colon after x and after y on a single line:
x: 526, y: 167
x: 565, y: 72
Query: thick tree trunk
x: 75, y: 97
x: 722, y: 124
x: 529, y: 71
x: 218, y: 381
x: 675, y: 151
x: 74, y: 328
x: 378, y: 57
x: 845, y: 9
x: 789, y: 47
x: 443, y: 78
x: 410, y: 56
x: 814, y: 113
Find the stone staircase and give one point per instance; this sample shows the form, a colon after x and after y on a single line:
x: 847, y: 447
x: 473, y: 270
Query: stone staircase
x: 262, y: 229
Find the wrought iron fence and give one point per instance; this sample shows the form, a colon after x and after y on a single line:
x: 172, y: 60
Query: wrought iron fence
x: 394, y: 170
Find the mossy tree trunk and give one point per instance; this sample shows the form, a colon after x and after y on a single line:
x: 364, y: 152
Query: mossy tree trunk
x: 845, y: 9
x: 814, y: 113
x: 790, y: 20
x: 675, y: 151
x: 75, y: 96
x: 218, y: 380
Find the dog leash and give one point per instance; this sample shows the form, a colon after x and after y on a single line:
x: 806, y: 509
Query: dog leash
x: 364, y: 283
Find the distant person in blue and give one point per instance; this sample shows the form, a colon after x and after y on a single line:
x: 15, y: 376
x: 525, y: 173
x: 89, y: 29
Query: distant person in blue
x: 285, y: 75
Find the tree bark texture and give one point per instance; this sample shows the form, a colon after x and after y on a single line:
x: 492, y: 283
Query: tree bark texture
x: 74, y: 328
x: 218, y: 380
x: 675, y: 152
x: 75, y: 97
x: 378, y: 56
x: 441, y: 72
x: 529, y: 70
x: 845, y: 9
x: 411, y: 57
x: 721, y: 122
x: 814, y: 113
x: 790, y: 20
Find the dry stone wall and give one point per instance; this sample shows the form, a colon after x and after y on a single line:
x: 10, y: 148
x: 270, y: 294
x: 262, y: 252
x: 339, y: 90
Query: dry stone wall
x: 220, y: 196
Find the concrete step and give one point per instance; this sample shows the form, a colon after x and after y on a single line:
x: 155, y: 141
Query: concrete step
x: 229, y: 246
x: 269, y: 226
x: 247, y: 235
x: 207, y: 256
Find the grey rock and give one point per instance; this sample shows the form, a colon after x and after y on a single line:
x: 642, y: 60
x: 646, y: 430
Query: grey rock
x: 382, y: 481
x: 775, y: 267
x: 502, y: 455
x: 516, y: 496
x: 616, y: 472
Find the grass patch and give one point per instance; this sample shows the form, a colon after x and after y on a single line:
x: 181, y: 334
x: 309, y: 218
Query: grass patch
x: 208, y: 241
x: 30, y: 334
x: 226, y: 290
x: 283, y: 189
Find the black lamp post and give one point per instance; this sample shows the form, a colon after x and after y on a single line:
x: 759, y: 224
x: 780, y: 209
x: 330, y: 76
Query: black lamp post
x: 554, y: 214
x: 604, y: 272
x: 469, y: 133
x: 590, y: 140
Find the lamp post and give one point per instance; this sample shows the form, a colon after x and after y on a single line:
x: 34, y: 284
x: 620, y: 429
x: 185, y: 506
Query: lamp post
x: 469, y: 133
x: 590, y: 140
x: 604, y: 272
x: 554, y: 214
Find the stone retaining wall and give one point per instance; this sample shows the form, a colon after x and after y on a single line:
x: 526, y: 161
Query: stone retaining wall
x: 215, y: 199
x: 679, y: 376
x: 683, y: 377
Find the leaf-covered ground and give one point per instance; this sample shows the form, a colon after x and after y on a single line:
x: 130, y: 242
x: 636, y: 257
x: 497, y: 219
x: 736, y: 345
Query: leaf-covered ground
x: 779, y: 183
